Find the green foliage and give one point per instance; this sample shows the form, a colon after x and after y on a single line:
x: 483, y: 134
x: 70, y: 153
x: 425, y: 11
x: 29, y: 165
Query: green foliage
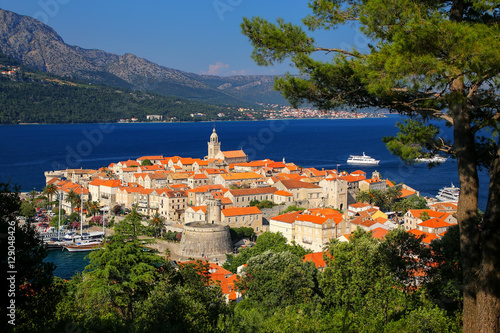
x: 383, y: 199
x: 56, y: 211
x: 32, y: 288
x: 131, y: 227
x: 55, y: 221
x: 415, y: 202
x: 117, y: 210
x: 414, y: 140
x: 241, y: 232
x: 157, y: 222
x: 125, y: 288
x: 292, y: 208
x: 279, y: 279
x: 74, y: 217
x: 27, y: 209
x: 358, y: 280
x: 43, y: 98
x: 262, y: 204
x: 445, y: 275
x: 171, y: 236
x: 146, y: 162
x: 424, y: 319
x: 267, y: 241
x: 424, y: 216
x: 181, y: 303
x: 390, y: 200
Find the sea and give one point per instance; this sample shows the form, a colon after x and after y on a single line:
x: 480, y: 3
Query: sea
x: 30, y: 150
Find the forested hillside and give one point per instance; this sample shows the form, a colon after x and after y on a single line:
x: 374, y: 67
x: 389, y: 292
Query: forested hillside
x: 31, y: 96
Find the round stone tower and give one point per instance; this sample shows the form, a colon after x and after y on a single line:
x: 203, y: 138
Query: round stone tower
x: 201, y: 239
x: 207, y: 239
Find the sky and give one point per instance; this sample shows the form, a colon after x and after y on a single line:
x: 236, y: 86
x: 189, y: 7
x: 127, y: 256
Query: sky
x: 198, y: 36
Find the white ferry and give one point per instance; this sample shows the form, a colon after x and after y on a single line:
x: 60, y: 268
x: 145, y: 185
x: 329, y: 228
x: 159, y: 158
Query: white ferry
x: 448, y: 193
x: 433, y: 159
x: 362, y: 160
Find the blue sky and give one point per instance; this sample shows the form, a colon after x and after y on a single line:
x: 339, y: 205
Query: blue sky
x: 199, y: 36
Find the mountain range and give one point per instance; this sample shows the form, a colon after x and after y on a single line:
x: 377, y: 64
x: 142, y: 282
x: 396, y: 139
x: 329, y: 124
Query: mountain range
x: 37, y: 45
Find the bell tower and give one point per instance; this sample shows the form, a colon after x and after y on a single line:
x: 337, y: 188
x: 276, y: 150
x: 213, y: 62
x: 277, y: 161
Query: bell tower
x: 213, y: 145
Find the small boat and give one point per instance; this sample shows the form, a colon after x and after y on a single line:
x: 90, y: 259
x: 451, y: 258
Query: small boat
x: 448, y: 193
x: 85, y: 246
x: 362, y: 160
x: 433, y: 159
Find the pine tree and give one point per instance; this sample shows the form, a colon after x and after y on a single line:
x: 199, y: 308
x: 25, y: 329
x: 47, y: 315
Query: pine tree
x: 429, y: 60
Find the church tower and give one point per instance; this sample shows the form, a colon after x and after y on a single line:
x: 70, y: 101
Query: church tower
x: 213, y: 145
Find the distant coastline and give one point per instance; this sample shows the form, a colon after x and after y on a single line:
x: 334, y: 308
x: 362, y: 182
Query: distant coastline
x: 210, y: 121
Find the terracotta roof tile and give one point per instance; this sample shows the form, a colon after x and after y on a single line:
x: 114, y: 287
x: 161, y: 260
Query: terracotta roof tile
x: 253, y: 191
x: 293, y: 183
x: 312, y: 219
x: 428, y: 238
x: 317, y: 258
x: 379, y: 233
x: 288, y: 217
x: 238, y: 211
x: 434, y: 223
x: 234, y: 153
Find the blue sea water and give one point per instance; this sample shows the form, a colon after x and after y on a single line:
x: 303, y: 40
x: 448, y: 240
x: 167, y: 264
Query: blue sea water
x: 29, y: 150
x: 67, y: 263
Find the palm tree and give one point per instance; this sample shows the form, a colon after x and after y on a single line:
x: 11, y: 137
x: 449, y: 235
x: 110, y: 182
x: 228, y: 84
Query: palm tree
x: 33, y: 194
x: 364, y: 196
x: 72, y: 198
x: 50, y: 190
x: 393, y: 193
x: 92, y: 207
x: 157, y: 222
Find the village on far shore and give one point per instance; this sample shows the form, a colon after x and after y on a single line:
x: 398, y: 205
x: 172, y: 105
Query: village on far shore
x: 225, y: 188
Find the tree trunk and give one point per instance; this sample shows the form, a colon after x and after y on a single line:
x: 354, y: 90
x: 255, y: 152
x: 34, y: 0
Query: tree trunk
x: 488, y: 295
x: 467, y: 214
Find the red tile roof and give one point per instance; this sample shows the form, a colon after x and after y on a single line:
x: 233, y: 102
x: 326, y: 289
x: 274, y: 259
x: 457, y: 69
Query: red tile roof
x: 253, y: 191
x: 283, y: 193
x: 432, y: 213
x: 379, y: 233
x: 234, y: 153
x: 293, y: 183
x: 288, y: 217
x: 238, y: 211
x: 312, y: 219
x: 317, y: 258
x: 434, y: 223
x: 428, y: 238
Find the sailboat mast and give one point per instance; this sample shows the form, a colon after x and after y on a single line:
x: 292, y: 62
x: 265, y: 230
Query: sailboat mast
x: 81, y: 208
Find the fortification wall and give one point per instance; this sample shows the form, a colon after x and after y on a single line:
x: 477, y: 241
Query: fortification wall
x: 209, y: 240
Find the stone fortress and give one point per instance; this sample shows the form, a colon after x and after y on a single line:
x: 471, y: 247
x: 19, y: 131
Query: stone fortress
x: 209, y: 238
